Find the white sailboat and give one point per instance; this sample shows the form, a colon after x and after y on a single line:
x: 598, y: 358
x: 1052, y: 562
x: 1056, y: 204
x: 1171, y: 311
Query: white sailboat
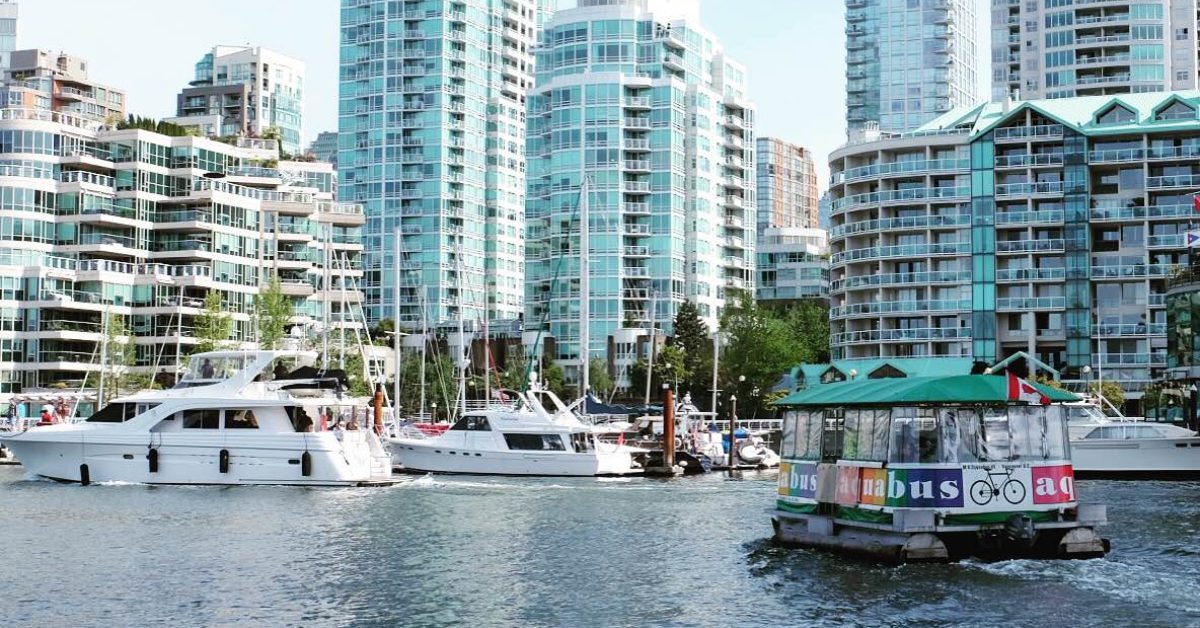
x: 228, y: 421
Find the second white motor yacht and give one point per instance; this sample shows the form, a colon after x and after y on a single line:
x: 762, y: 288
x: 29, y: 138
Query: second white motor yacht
x: 534, y: 434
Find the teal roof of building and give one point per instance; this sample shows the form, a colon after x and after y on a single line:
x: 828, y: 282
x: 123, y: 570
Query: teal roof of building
x: 1079, y: 113
x: 810, y: 374
x: 957, y: 389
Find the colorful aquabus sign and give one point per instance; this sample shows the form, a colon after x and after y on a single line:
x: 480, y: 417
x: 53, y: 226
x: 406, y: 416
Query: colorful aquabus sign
x: 994, y: 487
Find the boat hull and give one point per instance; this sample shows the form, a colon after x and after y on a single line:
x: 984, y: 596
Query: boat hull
x: 414, y: 456
x: 1138, y: 458
x: 184, y: 459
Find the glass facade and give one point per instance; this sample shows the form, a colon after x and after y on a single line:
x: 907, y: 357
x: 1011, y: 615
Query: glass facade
x: 132, y: 225
x: 786, y: 179
x: 1052, y: 228
x: 431, y: 139
x: 907, y: 61
x: 1065, y: 48
x: 644, y: 104
x: 273, y: 96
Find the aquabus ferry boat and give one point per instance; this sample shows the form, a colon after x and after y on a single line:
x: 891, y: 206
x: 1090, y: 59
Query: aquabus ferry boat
x: 928, y: 468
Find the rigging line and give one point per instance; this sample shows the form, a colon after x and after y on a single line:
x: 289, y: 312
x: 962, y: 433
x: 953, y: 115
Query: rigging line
x: 558, y: 264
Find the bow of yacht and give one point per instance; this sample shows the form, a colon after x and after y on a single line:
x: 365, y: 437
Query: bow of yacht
x: 236, y: 417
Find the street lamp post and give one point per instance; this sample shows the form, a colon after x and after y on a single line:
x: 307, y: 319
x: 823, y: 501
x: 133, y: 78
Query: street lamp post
x: 733, y: 424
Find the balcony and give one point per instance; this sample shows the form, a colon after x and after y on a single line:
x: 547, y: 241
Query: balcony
x: 1174, y: 181
x: 1029, y: 189
x: 637, y: 123
x: 637, y: 251
x: 1033, y: 132
x: 1030, y: 274
x: 636, y: 209
x: 1050, y: 245
x: 1030, y: 303
x: 1029, y: 160
x: 637, y: 165
x: 905, y: 306
x: 1046, y: 216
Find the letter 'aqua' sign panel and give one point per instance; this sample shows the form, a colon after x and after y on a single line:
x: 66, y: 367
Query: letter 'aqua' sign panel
x: 995, y: 487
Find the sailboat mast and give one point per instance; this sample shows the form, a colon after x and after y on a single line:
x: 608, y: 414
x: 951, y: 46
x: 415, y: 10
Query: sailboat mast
x: 584, y: 292
x: 462, y: 344
x: 396, y: 322
x: 653, y: 341
x: 424, y: 345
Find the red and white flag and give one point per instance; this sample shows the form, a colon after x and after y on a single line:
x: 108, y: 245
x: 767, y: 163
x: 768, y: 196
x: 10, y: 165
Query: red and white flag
x: 1196, y: 202
x: 1021, y: 390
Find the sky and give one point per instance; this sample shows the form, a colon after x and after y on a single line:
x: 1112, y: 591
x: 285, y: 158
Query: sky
x: 793, y: 51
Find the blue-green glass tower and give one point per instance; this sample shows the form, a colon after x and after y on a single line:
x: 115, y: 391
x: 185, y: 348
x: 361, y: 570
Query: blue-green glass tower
x: 636, y: 96
x: 431, y: 142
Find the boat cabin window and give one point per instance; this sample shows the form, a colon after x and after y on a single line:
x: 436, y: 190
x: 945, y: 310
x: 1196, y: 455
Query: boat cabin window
x: 914, y: 435
x: 472, y: 424
x: 201, y: 419
x: 301, y: 418
x: 581, y: 443
x: 203, y: 370
x: 802, y: 434
x: 1124, y: 432
x: 535, y: 442
x: 240, y: 420
x: 119, y: 412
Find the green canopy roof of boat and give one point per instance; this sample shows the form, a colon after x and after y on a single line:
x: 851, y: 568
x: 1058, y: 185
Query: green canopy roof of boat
x: 956, y: 389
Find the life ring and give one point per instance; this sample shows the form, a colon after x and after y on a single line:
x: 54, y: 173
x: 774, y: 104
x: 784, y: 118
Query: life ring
x: 750, y: 454
x: 678, y: 444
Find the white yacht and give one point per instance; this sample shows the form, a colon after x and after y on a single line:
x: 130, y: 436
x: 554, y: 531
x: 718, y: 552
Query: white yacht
x: 235, y: 417
x: 534, y: 435
x: 1137, y: 450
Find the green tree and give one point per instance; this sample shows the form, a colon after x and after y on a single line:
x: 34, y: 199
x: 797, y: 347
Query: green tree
x: 381, y: 333
x: 1049, y: 381
x: 599, y: 379
x: 809, y: 324
x: 273, y: 310
x: 119, y: 357
x: 555, y: 380
x: 213, y: 325
x: 359, y: 386
x: 692, y: 339
x: 670, y: 367
x: 1111, y: 390
x: 516, y: 373
x: 760, y: 347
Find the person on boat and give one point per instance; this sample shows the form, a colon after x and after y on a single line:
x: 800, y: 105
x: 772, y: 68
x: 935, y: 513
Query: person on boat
x: 304, y: 422
x: 338, y: 429
x: 47, y: 417
x: 281, y: 371
x: 324, y: 418
x: 207, y: 370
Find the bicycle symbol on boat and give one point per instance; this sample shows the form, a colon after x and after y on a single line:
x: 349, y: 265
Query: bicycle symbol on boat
x: 998, y: 483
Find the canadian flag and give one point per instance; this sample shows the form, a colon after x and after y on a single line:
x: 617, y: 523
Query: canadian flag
x: 1021, y: 390
x: 1196, y: 202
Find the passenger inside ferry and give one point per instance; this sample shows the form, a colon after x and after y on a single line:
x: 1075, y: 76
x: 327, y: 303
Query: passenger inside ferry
x: 304, y: 422
x: 207, y: 370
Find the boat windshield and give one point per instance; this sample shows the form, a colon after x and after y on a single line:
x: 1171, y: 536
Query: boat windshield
x: 1085, y: 415
x: 203, y: 370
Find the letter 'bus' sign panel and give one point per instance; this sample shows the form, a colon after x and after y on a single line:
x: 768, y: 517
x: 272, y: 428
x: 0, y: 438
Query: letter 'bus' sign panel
x: 995, y: 487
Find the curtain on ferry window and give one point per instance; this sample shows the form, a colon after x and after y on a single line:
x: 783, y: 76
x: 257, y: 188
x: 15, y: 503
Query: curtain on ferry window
x: 851, y: 439
x: 787, y: 442
x: 1056, y: 434
x: 962, y: 440
x: 1027, y: 432
x: 879, y: 436
x: 904, y: 435
x: 995, y: 434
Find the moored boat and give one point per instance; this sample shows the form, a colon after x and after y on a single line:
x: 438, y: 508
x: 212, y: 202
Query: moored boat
x: 236, y: 417
x: 928, y: 468
x: 534, y: 434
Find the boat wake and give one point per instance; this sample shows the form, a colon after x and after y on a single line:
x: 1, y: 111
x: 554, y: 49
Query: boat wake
x: 1138, y: 583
